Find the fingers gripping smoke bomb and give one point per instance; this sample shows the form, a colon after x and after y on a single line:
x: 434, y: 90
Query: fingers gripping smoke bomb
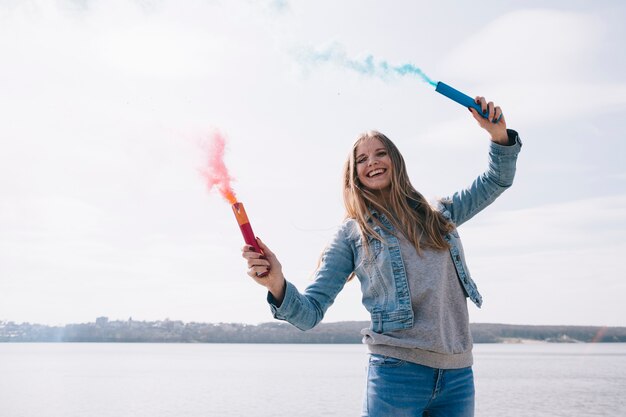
x: 246, y: 229
x: 462, y: 99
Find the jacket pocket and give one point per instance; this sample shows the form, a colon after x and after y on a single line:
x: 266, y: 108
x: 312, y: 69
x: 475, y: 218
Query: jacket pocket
x: 383, y: 322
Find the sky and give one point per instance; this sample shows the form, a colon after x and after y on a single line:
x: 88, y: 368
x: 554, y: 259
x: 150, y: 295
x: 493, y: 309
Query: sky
x: 104, y: 107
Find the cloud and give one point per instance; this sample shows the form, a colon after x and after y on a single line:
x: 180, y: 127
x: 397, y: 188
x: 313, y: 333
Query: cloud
x: 536, y: 104
x: 563, y: 259
x: 537, y: 64
x: 538, y: 45
x: 578, y: 224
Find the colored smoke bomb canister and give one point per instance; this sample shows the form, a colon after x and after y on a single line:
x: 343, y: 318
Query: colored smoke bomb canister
x: 246, y: 229
x: 463, y: 99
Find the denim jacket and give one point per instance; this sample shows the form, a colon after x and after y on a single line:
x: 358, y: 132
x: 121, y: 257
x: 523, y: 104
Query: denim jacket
x: 382, y: 274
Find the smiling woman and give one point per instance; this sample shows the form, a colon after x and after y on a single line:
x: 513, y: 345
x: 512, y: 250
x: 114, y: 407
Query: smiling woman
x: 373, y: 164
x: 411, y: 266
x: 375, y: 177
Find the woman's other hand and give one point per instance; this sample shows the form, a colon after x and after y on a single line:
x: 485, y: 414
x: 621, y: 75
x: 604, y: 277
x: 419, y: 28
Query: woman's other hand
x: 265, y: 263
x: 497, y: 130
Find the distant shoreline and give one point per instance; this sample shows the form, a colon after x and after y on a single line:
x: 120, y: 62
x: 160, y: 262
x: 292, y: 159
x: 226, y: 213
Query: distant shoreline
x: 104, y: 330
x: 520, y: 341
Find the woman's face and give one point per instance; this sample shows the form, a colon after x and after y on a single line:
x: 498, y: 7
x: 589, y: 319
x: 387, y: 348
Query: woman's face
x: 373, y: 165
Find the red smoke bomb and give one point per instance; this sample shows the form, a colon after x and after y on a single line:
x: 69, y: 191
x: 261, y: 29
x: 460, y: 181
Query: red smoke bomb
x: 246, y: 229
x: 216, y: 175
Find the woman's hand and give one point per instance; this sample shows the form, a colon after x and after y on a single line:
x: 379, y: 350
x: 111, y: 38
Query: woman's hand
x: 265, y: 263
x: 496, y: 130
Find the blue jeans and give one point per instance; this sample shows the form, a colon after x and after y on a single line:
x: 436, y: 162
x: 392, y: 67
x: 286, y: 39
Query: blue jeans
x: 396, y: 388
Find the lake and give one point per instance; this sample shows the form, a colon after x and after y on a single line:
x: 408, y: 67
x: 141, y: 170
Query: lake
x: 189, y: 380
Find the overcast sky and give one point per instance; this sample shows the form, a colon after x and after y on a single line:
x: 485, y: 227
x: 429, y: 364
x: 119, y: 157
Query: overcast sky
x: 103, y: 104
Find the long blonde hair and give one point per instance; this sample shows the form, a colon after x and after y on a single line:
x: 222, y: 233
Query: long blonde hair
x: 423, y: 226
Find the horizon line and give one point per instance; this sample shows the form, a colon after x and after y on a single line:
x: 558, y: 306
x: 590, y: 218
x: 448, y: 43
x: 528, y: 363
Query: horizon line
x: 2, y: 321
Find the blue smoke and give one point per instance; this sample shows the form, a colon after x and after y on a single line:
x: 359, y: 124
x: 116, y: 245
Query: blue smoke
x: 368, y: 66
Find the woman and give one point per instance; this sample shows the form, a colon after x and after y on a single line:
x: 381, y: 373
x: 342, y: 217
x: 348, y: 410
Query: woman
x: 409, y: 260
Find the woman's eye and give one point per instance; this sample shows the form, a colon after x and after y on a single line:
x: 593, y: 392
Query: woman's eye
x: 381, y: 153
x: 358, y: 161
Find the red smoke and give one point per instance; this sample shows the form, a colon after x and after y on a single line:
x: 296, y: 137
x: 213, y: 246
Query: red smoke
x: 215, y: 173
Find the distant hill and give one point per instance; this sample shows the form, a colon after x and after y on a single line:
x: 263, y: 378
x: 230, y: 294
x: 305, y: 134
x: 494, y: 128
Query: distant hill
x: 173, y: 331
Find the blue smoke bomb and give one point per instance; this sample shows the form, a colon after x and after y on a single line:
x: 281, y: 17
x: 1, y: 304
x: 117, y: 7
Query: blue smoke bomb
x: 463, y: 99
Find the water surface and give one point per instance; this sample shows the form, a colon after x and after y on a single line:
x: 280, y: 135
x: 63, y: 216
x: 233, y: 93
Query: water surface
x: 162, y: 380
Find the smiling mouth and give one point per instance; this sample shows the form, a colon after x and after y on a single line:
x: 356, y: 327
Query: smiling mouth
x: 376, y: 172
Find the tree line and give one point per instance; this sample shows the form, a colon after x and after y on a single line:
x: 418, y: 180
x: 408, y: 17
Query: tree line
x: 175, y: 331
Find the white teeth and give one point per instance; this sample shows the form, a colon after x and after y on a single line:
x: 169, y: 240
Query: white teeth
x: 376, y: 172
